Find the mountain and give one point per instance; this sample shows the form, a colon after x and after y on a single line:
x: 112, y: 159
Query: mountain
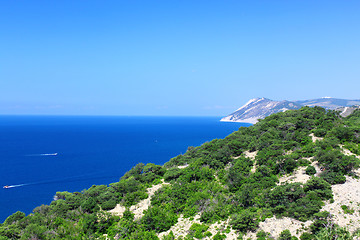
x: 259, y: 108
x: 329, y: 103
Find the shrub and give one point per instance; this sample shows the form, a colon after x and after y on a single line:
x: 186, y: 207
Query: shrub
x: 172, y: 174
x: 262, y: 235
x: 347, y: 210
x: 310, y: 170
x: 198, y: 231
x: 285, y: 235
x: 306, y: 236
x: 244, y: 221
x: 333, y: 232
x: 321, y: 219
x: 318, y: 185
x: 159, y: 219
x: 219, y: 236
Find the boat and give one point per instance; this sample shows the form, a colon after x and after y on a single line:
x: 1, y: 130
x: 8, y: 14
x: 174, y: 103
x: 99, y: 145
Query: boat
x: 6, y: 186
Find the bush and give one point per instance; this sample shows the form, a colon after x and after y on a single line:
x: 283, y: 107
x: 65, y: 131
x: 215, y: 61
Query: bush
x: 321, y: 219
x: 170, y: 236
x: 333, y: 177
x: 321, y: 187
x: 347, y: 210
x: 244, y: 221
x: 219, y: 236
x: 173, y: 173
x: 159, y: 219
x: 310, y: 170
x: 198, y: 231
x: 306, y: 236
x: 333, y: 232
x: 262, y: 235
x: 108, y: 205
x: 285, y: 235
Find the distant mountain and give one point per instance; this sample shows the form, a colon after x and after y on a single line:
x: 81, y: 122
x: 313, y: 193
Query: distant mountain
x: 329, y: 103
x: 259, y: 108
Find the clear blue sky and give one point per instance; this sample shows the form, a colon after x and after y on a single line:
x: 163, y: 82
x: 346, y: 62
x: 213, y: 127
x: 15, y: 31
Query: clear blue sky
x: 174, y: 57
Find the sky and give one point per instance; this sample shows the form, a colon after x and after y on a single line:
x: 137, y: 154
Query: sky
x: 173, y: 58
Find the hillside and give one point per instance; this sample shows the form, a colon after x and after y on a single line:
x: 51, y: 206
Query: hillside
x: 292, y: 175
x: 259, y: 108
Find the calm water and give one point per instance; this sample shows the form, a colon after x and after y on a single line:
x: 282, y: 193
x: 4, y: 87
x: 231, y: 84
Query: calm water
x: 90, y: 150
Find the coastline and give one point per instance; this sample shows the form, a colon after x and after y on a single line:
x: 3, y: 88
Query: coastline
x: 248, y: 120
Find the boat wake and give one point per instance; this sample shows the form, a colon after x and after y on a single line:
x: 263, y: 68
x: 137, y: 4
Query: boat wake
x: 14, y: 186
x: 49, y: 154
x: 84, y: 177
x: 42, y: 154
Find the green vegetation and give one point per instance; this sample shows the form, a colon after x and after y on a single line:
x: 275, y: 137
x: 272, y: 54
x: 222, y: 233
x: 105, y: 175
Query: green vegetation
x: 347, y: 210
x: 220, y: 182
x: 261, y: 235
x: 310, y: 170
x: 198, y: 231
x: 285, y: 235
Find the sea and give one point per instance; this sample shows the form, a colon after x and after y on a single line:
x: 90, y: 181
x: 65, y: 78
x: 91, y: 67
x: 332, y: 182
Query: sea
x: 41, y: 155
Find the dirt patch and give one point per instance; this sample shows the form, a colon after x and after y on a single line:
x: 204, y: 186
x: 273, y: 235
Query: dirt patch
x: 221, y: 226
x: 182, y: 227
x: 347, y: 152
x: 143, y: 205
x: 118, y: 210
x: 275, y: 226
x: 184, y: 166
x: 314, y: 138
x: 250, y: 155
x: 298, y: 175
x: 347, y: 194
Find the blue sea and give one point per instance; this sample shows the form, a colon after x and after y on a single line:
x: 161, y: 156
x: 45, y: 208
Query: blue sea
x: 41, y: 155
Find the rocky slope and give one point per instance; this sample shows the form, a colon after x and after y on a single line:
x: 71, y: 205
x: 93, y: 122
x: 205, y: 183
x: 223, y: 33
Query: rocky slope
x: 259, y: 108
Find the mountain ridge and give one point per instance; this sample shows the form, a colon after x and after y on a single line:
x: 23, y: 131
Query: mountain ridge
x: 259, y: 108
